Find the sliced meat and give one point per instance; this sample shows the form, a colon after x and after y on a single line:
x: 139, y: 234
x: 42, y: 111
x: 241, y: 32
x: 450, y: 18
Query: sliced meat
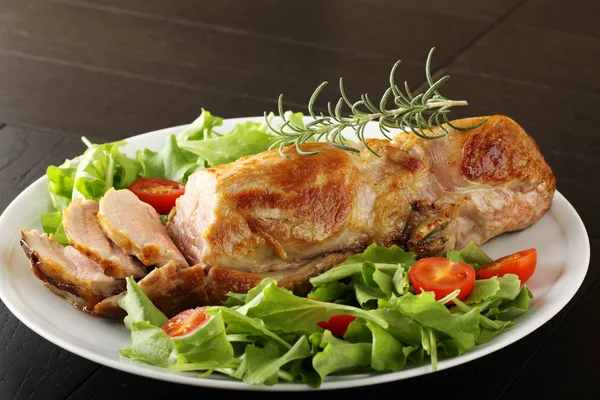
x: 84, y: 233
x: 172, y: 289
x: 67, y: 272
x: 221, y: 281
x: 136, y: 228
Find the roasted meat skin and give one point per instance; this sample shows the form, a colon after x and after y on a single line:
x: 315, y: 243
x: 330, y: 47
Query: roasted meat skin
x: 67, y: 272
x: 136, y: 228
x: 84, y: 233
x: 171, y: 289
x: 265, y: 213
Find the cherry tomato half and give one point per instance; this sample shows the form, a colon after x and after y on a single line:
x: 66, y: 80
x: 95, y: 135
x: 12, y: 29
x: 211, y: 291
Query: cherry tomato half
x: 338, y: 324
x: 186, y: 321
x: 159, y: 193
x: 522, y: 264
x: 442, y: 277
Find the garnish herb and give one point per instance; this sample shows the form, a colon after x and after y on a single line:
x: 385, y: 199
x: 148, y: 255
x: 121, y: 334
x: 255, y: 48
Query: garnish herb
x: 413, y: 113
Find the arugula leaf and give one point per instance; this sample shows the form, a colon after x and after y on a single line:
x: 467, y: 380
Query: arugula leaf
x: 240, y: 323
x: 263, y: 364
x: 281, y: 310
x: 488, y: 292
x: 425, y: 310
x: 403, y: 328
x: 470, y: 254
x: 387, y: 353
x: 339, y: 355
x: 331, y: 292
x: 520, y: 304
x: 381, y: 254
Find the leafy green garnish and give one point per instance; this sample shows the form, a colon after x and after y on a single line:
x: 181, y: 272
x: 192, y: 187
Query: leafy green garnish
x: 470, y: 254
x: 281, y: 310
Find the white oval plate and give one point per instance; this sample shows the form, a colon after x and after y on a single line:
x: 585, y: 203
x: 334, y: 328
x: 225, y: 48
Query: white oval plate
x: 560, y: 238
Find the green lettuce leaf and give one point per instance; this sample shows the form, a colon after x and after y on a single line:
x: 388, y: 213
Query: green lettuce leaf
x: 52, y: 224
x: 340, y: 355
x: 139, y: 307
x: 149, y: 344
x: 201, y: 128
x: 519, y: 304
x: 171, y: 162
x: 470, y: 254
x: 207, y: 343
x: 381, y: 254
x: 263, y: 364
x: 375, y: 274
x: 245, y: 138
x: 240, y: 323
x: 403, y: 328
x: 88, y: 176
x: 490, y: 292
x: 332, y: 292
x: 283, y: 311
x: 425, y: 310
x: 387, y: 354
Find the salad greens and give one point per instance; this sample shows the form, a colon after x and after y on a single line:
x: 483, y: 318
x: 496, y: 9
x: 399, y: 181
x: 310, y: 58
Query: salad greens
x: 103, y: 166
x: 270, y: 335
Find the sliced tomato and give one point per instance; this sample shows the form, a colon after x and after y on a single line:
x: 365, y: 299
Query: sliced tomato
x: 338, y: 324
x: 521, y: 263
x: 442, y: 277
x: 159, y: 193
x: 186, y: 322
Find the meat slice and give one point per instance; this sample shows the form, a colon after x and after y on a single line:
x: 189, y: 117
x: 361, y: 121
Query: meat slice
x: 136, y: 228
x: 170, y: 288
x: 67, y: 272
x: 83, y: 230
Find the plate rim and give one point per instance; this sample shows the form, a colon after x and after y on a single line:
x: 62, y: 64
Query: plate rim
x: 356, y: 380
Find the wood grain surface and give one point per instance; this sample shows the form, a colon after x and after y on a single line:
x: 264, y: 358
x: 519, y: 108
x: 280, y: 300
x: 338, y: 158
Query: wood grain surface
x: 108, y: 69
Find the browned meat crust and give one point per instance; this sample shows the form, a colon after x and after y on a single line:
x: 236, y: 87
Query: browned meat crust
x: 172, y: 289
x: 61, y: 271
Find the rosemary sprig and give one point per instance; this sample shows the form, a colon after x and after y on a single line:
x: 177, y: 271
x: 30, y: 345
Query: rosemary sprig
x: 413, y: 113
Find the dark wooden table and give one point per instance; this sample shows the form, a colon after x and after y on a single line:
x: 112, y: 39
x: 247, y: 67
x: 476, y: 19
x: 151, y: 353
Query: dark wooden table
x: 109, y: 69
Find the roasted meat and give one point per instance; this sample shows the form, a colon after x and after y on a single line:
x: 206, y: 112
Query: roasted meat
x: 172, y: 289
x: 84, y: 233
x: 136, y: 228
x: 265, y: 215
x: 67, y: 272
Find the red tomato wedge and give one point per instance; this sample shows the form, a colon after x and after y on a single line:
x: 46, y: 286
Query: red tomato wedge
x: 186, y: 322
x: 159, y: 193
x: 522, y: 264
x: 442, y: 277
x: 338, y: 324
